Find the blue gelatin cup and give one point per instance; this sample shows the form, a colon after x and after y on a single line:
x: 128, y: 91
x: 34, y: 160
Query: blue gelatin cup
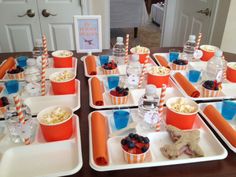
x: 228, y: 110
x: 173, y: 55
x: 21, y: 61
x: 194, y: 75
x: 121, y: 119
x: 12, y: 86
x: 103, y: 59
x: 113, y: 81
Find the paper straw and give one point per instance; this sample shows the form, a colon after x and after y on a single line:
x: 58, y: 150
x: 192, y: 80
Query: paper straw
x: 162, y: 99
x: 126, y: 48
x: 198, y: 41
x: 143, y: 72
x: 21, y: 116
x: 225, y: 67
x: 45, y: 48
x: 43, y: 75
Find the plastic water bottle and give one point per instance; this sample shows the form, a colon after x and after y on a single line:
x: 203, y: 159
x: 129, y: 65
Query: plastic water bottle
x: 189, y: 48
x: 147, y: 108
x: 32, y: 72
x: 215, y: 67
x: 133, y: 71
x: 119, y: 51
x: 38, y: 49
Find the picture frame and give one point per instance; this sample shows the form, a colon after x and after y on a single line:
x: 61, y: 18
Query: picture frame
x: 88, y: 33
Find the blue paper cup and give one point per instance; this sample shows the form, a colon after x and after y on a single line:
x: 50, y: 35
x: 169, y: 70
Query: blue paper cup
x: 113, y: 81
x: 121, y: 119
x: 173, y: 55
x: 228, y: 110
x: 12, y: 86
x: 104, y: 59
x: 194, y: 75
x: 21, y: 61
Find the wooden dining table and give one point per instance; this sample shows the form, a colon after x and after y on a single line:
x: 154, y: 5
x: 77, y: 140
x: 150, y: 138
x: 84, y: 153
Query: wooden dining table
x: 218, y: 168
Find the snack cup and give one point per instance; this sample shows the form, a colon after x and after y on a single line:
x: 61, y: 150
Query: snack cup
x: 109, y: 71
x: 210, y: 93
x: 116, y: 100
x: 208, y: 52
x: 59, y: 131
x: 142, y: 56
x: 135, y: 158
x: 180, y: 120
x: 158, y: 80
x: 231, y: 71
x: 16, y: 76
x: 62, y: 87
x: 179, y: 67
x: 62, y: 61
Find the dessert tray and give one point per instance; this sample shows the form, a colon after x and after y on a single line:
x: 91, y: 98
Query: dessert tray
x: 232, y: 123
x: 121, y: 68
x: 41, y: 158
x: 38, y: 103
x: 212, y: 148
x: 133, y: 97
x: 50, y: 69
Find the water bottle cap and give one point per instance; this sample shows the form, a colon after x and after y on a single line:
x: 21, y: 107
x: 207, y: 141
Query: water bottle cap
x: 89, y: 53
x: 119, y: 39
x: 150, y: 90
x: 38, y: 43
x: 31, y: 62
x: 218, y: 53
x: 135, y: 58
x: 192, y: 38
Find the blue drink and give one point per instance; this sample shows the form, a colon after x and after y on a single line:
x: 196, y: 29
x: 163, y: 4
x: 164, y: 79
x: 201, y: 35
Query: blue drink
x: 12, y: 86
x: 194, y: 75
x: 113, y: 81
x: 121, y: 119
x: 104, y: 59
x: 228, y: 110
x: 173, y: 55
x: 21, y: 60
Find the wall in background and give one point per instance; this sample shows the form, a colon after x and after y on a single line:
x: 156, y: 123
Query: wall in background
x: 229, y: 37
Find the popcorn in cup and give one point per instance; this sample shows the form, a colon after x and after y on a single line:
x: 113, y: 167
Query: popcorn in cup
x: 143, y: 52
x: 158, y: 75
x: 63, y: 82
x: 181, y: 112
x: 56, y: 123
x: 208, y: 52
x: 231, y: 71
x: 62, y: 59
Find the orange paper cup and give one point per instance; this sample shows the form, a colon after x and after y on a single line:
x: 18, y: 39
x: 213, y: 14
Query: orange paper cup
x: 62, y: 87
x: 135, y: 158
x: 158, y: 80
x: 142, y: 56
x: 210, y: 93
x: 179, y: 67
x: 180, y: 120
x: 208, y: 52
x: 62, y: 59
x: 58, y: 131
x: 231, y: 71
x: 109, y: 71
x: 117, y: 100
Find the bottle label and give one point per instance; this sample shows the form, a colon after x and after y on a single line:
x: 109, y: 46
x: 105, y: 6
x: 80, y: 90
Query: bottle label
x: 197, y: 54
x: 219, y: 76
x: 133, y: 79
x: 151, y: 117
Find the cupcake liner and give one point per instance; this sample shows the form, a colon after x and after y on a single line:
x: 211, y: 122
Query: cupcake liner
x: 16, y: 76
x: 179, y: 67
x: 107, y: 71
x: 210, y: 93
x: 116, y: 100
x: 135, y: 158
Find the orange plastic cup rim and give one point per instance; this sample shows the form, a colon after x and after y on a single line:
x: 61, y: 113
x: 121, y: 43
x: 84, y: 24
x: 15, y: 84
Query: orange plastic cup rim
x: 56, y: 53
x: 137, y: 154
x: 213, y: 48
x: 229, y: 64
x: 53, y: 75
x: 186, y: 100
x: 133, y: 52
x: 50, y: 109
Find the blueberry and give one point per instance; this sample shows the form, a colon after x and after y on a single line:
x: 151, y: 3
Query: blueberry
x: 5, y: 101
x: 121, y: 90
x: 131, y: 145
x: 128, y: 138
x: 124, y: 142
x: 117, y: 88
x: 125, y: 93
x: 131, y: 135
x: 144, y: 149
x: 127, y: 89
x: 140, y: 139
x: 136, y: 136
x: 146, y: 140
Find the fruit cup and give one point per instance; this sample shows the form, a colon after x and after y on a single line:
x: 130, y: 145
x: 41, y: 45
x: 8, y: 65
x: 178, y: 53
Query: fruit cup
x: 208, y: 52
x: 119, y: 97
x: 143, y: 52
x: 62, y: 86
x: 179, y: 119
x: 56, y: 131
x: 231, y: 71
x: 62, y: 59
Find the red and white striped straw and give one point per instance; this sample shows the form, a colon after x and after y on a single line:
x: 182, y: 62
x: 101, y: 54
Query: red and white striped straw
x: 45, y: 48
x: 43, y: 75
x: 126, y: 48
x: 162, y: 100
x: 143, y: 72
x: 198, y: 41
x: 21, y: 115
x: 225, y: 67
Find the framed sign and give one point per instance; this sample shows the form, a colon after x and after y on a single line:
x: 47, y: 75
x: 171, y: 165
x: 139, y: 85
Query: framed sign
x: 88, y: 33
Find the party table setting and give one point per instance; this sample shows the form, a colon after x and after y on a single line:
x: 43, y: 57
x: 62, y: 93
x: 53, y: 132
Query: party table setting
x: 154, y: 113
